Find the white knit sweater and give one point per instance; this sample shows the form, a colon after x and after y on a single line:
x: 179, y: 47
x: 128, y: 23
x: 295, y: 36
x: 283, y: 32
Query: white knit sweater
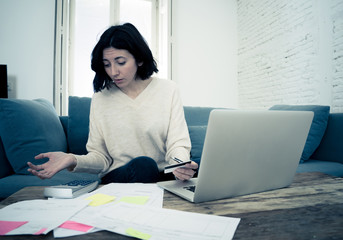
x: 122, y: 128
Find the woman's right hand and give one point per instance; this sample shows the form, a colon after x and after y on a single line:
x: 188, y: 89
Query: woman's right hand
x: 57, y: 162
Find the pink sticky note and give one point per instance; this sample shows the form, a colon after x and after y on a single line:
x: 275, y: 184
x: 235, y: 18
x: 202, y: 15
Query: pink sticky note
x: 76, y: 226
x: 7, y: 226
x: 40, y: 231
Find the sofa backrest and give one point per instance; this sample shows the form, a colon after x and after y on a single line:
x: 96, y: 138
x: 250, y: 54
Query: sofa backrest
x: 78, y: 124
x: 197, y: 116
x: 64, y: 122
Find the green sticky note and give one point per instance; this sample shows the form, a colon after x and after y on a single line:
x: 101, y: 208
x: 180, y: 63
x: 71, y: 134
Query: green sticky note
x: 139, y: 200
x: 99, y: 199
x: 137, y: 234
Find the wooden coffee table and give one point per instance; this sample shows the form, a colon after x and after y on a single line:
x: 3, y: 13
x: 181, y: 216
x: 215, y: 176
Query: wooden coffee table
x: 311, y: 208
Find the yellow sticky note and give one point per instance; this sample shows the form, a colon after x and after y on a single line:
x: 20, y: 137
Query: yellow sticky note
x: 99, y: 199
x: 137, y: 234
x: 139, y: 200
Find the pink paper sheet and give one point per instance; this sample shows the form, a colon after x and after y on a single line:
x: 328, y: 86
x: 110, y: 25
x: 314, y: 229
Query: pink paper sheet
x: 7, y: 226
x: 76, y: 226
x: 40, y: 231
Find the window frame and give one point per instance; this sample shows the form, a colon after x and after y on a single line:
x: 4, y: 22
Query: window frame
x: 64, y: 18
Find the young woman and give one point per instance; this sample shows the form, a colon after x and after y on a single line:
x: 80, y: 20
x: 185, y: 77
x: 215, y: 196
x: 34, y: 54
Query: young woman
x: 137, y: 122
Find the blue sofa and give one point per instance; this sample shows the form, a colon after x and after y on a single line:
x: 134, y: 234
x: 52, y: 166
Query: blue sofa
x: 29, y: 127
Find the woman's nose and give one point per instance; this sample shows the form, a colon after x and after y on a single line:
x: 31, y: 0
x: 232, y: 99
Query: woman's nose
x: 114, y: 71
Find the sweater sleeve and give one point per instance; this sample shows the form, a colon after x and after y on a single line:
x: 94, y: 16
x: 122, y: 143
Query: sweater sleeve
x: 98, y: 160
x: 178, y: 142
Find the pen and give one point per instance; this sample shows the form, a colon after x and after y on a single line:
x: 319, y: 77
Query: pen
x: 177, y: 160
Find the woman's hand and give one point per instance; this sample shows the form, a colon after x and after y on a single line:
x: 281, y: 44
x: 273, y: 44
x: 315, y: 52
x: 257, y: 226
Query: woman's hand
x: 57, y: 162
x: 186, y: 172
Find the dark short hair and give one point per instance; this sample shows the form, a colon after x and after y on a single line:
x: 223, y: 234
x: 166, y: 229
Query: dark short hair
x: 125, y: 37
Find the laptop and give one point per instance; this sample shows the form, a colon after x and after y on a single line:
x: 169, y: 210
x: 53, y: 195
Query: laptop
x: 246, y: 152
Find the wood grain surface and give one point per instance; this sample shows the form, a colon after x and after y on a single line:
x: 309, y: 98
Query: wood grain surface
x: 310, y: 208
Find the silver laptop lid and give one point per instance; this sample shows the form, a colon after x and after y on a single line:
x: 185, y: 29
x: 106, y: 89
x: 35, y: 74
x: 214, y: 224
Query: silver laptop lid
x: 250, y: 151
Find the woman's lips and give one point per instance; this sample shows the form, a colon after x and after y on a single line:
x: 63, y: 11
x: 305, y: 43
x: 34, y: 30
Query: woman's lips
x: 118, y: 80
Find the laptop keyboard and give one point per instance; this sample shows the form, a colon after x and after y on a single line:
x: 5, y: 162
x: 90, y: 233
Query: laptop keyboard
x: 190, y: 188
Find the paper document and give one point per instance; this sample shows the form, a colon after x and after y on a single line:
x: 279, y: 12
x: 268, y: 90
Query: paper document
x: 108, y: 195
x: 158, y: 223
x: 37, y: 216
x: 129, y: 209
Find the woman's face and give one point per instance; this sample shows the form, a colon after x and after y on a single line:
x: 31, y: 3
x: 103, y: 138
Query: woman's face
x: 121, y: 66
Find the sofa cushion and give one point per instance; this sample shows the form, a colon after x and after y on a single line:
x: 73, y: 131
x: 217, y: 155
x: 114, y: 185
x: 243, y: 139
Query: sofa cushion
x: 6, y: 168
x: 331, y: 168
x: 318, y: 126
x: 78, y: 124
x: 27, y: 128
x: 197, y: 135
x: 331, y: 146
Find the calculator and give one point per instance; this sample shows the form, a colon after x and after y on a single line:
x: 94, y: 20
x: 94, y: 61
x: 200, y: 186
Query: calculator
x: 71, y: 189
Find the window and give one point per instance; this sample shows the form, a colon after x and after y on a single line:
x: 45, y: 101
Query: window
x: 79, y: 26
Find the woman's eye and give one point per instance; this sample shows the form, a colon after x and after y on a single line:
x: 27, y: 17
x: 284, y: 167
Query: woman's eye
x: 121, y: 63
x: 106, y: 65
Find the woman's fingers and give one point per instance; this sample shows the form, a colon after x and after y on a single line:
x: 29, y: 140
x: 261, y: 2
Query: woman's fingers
x: 42, y: 155
x: 184, y: 173
x: 43, y: 174
x: 35, y: 167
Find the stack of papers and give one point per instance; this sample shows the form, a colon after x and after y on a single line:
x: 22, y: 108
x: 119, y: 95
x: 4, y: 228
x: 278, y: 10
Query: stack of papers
x: 129, y: 209
x: 35, y: 217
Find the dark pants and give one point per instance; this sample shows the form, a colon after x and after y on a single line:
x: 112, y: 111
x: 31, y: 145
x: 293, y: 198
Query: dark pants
x: 138, y: 170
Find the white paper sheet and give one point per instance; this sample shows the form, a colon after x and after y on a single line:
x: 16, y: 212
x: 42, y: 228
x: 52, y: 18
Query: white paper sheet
x: 135, y: 193
x: 158, y: 223
x: 40, y: 216
x: 129, y: 209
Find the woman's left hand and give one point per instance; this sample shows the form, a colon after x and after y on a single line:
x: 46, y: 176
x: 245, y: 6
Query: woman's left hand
x: 186, y: 172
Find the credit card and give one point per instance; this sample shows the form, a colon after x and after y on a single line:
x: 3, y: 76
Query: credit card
x: 172, y: 167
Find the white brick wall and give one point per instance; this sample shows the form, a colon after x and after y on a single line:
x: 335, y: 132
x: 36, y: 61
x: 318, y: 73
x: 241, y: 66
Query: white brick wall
x: 290, y: 52
x: 337, y: 55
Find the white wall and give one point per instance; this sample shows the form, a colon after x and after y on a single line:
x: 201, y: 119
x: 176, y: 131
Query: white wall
x: 27, y: 30
x: 204, y: 51
x: 290, y: 52
x: 336, y: 54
